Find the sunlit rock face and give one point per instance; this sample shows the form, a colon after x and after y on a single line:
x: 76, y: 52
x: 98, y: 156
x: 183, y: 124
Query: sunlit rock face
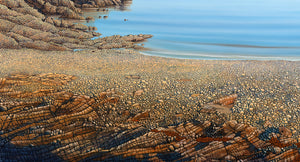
x: 41, y: 122
x: 33, y: 24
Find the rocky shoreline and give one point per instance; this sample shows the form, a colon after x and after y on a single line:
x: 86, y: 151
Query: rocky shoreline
x: 102, y: 104
x: 32, y: 24
x: 128, y: 106
x: 47, y: 124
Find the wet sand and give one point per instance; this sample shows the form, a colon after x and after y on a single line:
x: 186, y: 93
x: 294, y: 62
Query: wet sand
x: 174, y: 90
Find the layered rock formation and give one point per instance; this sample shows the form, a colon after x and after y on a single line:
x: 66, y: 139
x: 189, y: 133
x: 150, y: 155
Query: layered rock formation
x: 28, y: 24
x: 41, y: 122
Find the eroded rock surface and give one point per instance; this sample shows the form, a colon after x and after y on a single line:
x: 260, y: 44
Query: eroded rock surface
x: 28, y: 24
x: 41, y: 122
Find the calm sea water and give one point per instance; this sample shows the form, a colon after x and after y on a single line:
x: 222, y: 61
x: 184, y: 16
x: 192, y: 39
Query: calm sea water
x: 214, y: 29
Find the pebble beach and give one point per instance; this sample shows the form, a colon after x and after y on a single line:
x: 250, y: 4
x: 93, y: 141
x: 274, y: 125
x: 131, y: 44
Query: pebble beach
x: 174, y: 90
x: 209, y: 86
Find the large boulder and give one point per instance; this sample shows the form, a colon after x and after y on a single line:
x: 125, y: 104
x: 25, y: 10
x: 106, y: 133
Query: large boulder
x: 4, y: 11
x: 20, y: 19
x: 31, y: 11
x: 49, y: 9
x: 43, y: 26
x: 75, y: 34
x: 19, y: 38
x: 8, y: 42
x: 25, y: 31
x: 80, y: 27
x: 44, y: 36
x: 6, y: 26
x: 41, y: 45
x: 22, y: 7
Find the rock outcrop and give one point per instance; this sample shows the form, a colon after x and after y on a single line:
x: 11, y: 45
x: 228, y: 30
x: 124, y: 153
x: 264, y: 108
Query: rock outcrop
x: 28, y: 24
x: 40, y: 122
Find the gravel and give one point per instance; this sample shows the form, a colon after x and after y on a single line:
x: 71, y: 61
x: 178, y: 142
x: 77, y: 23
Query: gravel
x: 174, y: 90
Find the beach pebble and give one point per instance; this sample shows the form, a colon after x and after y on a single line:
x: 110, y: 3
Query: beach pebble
x: 160, y: 101
x: 3, y: 108
x: 195, y: 95
x: 47, y: 132
x: 138, y: 92
x: 171, y: 148
x: 136, y: 105
x: 277, y: 150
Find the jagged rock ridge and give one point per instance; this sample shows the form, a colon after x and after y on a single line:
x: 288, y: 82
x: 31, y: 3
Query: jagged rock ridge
x: 28, y: 24
x: 39, y: 121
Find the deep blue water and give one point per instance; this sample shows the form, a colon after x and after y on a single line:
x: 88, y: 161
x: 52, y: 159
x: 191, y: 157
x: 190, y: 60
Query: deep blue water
x: 214, y: 29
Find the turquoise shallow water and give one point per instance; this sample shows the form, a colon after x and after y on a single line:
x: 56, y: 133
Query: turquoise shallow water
x: 214, y: 29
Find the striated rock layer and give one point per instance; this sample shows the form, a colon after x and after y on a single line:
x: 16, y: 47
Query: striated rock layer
x: 41, y: 122
x: 29, y: 24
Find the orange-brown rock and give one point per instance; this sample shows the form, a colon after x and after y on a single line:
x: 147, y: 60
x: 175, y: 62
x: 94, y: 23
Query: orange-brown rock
x: 226, y: 100
x: 39, y: 122
x: 223, y: 104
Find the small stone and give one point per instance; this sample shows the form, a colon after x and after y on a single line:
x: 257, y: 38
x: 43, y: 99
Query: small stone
x: 176, y: 145
x: 138, y: 92
x: 47, y: 132
x: 3, y: 108
x: 132, y: 77
x: 126, y: 113
x: 267, y: 124
x: 171, y: 148
x: 195, y: 95
x: 229, y: 158
x: 285, y: 132
x: 277, y: 150
x: 136, y: 105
